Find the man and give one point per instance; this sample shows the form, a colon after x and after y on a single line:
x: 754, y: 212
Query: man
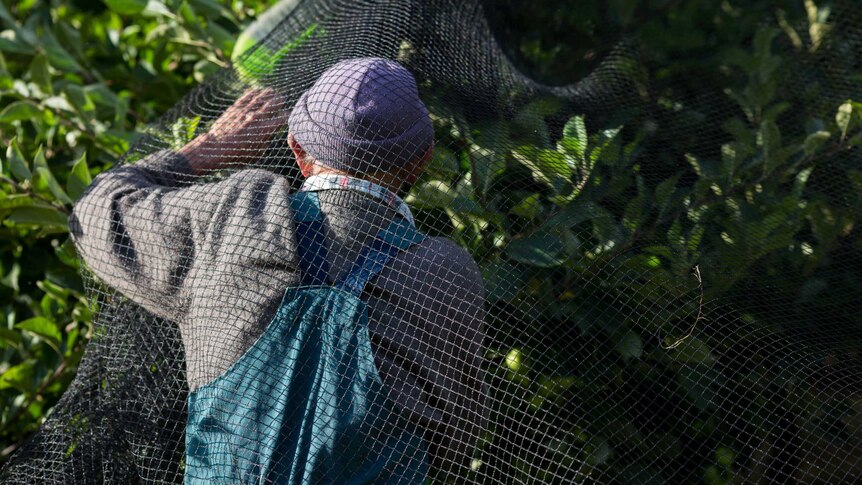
x: 217, y: 257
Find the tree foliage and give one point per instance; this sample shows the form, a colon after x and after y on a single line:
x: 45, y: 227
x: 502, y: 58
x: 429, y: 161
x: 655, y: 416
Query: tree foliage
x: 772, y: 188
x: 78, y: 82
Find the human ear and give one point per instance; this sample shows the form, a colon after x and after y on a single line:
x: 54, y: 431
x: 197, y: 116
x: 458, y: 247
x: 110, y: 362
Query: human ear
x: 298, y: 153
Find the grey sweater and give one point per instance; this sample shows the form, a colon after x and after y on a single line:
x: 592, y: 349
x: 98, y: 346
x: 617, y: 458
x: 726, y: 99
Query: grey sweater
x: 216, y: 258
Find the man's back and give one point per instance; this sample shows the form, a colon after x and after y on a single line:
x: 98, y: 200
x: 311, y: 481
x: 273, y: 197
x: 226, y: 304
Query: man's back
x: 221, y: 255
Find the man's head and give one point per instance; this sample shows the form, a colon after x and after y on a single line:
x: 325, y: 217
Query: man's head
x: 363, y: 117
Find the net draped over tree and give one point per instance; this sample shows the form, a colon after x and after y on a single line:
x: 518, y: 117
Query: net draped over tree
x: 628, y: 279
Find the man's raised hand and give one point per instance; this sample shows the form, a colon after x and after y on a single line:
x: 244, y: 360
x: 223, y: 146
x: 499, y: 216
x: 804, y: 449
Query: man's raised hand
x: 241, y: 134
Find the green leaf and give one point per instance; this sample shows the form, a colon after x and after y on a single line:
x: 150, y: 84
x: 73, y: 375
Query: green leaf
x: 578, y: 212
x: 183, y: 130
x: 800, y: 180
x: 724, y: 457
x: 58, y: 103
x: 6, y: 15
x: 574, y: 141
x: 705, y: 169
x: 12, y: 278
x: 530, y: 207
x: 432, y: 194
x: 67, y: 253
x: 674, y: 237
x: 503, y: 280
x: 530, y: 122
x: 126, y: 7
x: 693, y: 351
x: 40, y: 75
x: 19, y: 376
x: 211, y: 9
x: 157, y: 8
x: 16, y: 39
x: 43, y: 179
x: 489, y: 152
x: 20, y: 110
x: 42, y: 327
x: 203, y: 69
x: 443, y: 162
x: 190, y: 19
x: 630, y: 346
x: 49, y: 218
x: 664, y: 194
x: 544, y: 248
x: 603, y: 141
x: 634, y: 213
x: 80, y: 100
x: 79, y: 178
x: 257, y: 62
x: 16, y: 200
x: 701, y: 383
x: 6, y: 80
x: 814, y: 141
x: 441, y: 195
x: 10, y: 337
x: 221, y: 38
x: 57, y: 55
x: 18, y: 165
x: 102, y: 95
x: 843, y: 117
x: 548, y: 166
x: 771, y: 142
x: 600, y: 450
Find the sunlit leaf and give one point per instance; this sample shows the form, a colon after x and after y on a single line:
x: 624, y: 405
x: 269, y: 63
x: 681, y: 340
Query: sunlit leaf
x: 79, y: 178
x: 42, y: 327
x: 126, y: 7
x: 79, y: 99
x: 16, y: 200
x: 183, y: 130
x: 19, y: 376
x: 20, y: 110
x: 43, y: 178
x: 18, y: 165
x: 843, y: 117
x: 574, y: 141
x: 50, y: 218
x: 548, y: 166
x: 814, y: 141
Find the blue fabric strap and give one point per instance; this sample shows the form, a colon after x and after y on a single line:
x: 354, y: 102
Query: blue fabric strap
x: 400, y: 235
x: 311, y: 244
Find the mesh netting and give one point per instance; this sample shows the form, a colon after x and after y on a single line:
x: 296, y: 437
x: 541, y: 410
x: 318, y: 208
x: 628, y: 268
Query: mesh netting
x: 630, y: 279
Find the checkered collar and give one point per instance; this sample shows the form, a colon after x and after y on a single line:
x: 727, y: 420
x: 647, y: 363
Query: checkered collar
x: 330, y: 181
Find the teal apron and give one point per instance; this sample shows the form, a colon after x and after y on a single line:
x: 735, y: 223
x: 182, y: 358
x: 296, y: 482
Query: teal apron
x: 305, y: 404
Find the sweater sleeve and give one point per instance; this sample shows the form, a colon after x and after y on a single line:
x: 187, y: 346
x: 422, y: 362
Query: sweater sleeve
x: 141, y: 228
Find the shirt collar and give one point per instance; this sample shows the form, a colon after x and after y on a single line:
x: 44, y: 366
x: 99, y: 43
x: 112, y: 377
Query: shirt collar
x: 331, y: 181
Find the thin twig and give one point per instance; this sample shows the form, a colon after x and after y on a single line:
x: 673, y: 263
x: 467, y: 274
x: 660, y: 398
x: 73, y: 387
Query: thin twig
x: 688, y: 334
x: 58, y: 372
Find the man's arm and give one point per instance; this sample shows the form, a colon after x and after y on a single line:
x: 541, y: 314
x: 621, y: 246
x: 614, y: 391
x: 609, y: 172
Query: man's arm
x: 141, y: 227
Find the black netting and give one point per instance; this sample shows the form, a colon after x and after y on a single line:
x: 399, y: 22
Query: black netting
x: 635, y: 278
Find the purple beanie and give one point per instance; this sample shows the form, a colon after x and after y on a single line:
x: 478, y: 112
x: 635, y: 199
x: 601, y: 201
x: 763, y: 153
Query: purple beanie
x: 363, y: 115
